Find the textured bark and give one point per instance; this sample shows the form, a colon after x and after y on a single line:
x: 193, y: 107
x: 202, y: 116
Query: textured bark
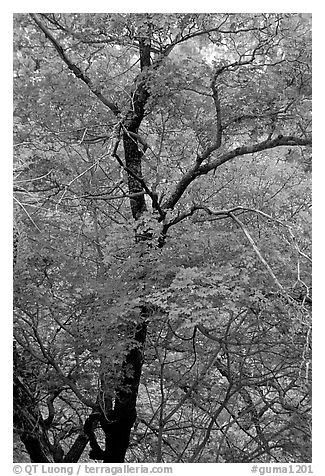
x: 133, y: 163
x: 132, y: 146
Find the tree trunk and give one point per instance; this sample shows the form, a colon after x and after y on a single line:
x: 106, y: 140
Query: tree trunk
x: 118, y: 423
x: 120, y: 420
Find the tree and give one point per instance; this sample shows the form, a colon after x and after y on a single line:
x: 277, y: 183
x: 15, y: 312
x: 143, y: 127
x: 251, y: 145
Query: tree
x: 162, y: 204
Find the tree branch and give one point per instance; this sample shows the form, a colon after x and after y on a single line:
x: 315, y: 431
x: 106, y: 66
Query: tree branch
x: 257, y: 252
x: 89, y: 426
x: 74, y: 68
x: 59, y: 371
x: 50, y: 406
x: 250, y: 149
x: 198, y: 169
x: 216, y: 101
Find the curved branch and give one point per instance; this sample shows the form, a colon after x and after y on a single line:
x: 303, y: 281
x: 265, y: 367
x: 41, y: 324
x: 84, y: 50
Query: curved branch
x: 267, y: 144
x: 96, y: 451
x: 50, y: 405
x: 226, y: 213
x: 197, y: 169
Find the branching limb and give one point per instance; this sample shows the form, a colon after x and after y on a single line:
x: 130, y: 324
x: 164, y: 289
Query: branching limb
x: 222, y: 405
x: 191, y: 387
x: 197, y: 169
x: 250, y: 149
x: 182, y: 216
x: 230, y: 213
x: 180, y: 38
x: 88, y: 169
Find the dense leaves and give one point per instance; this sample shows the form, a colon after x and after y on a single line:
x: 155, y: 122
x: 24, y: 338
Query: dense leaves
x: 162, y: 223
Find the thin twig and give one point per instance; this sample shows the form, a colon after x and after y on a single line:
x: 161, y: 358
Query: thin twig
x: 22, y: 206
x: 257, y: 251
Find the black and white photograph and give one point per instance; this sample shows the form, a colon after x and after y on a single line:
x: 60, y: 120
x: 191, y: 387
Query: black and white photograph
x: 162, y: 287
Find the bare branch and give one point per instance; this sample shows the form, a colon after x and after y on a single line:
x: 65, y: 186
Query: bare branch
x: 23, y: 207
x: 59, y: 371
x: 105, y: 196
x: 66, y: 188
x: 257, y: 251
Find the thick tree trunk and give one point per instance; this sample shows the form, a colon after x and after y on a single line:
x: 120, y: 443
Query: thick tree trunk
x: 118, y: 423
x: 121, y: 419
x: 133, y: 163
